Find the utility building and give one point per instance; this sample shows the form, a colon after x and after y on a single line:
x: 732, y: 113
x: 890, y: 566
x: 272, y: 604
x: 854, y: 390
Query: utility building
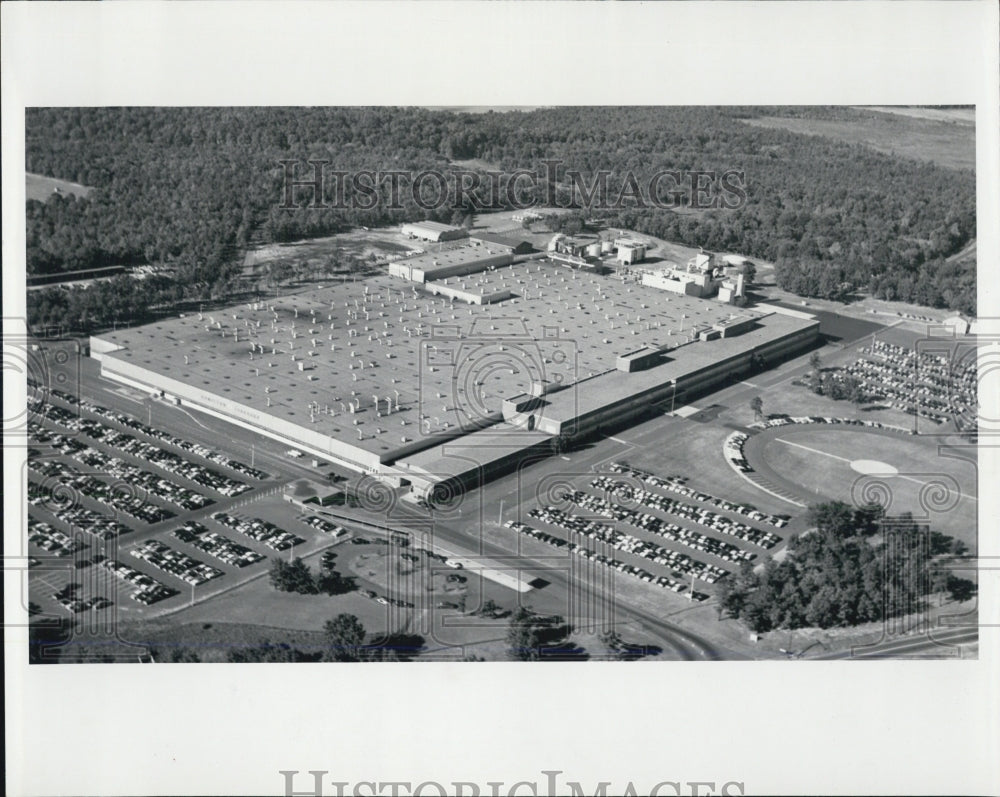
x: 449, y: 263
x: 630, y: 251
x: 433, y: 231
x: 500, y: 243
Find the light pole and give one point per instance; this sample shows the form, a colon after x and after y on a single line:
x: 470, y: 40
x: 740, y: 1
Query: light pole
x: 673, y: 395
x: 500, y: 515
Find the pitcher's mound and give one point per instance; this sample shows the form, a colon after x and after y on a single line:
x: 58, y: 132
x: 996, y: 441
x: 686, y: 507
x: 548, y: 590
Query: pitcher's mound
x: 872, y: 467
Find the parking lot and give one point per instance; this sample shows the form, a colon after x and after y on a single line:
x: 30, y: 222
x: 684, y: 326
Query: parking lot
x: 635, y: 522
x: 120, y: 515
x: 929, y: 384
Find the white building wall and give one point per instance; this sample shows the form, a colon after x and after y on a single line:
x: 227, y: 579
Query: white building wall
x: 99, y: 347
x: 664, y: 283
x: 315, y: 443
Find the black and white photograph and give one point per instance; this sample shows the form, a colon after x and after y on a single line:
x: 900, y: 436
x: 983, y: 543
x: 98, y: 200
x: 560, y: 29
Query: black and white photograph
x: 399, y: 384
x: 610, y: 387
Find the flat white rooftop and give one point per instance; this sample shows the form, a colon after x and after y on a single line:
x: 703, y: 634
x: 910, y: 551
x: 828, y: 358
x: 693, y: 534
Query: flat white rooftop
x: 412, y: 364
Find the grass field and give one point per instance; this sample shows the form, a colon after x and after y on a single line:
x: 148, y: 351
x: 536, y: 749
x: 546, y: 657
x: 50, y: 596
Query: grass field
x: 41, y: 188
x: 819, y: 459
x: 962, y: 116
x: 944, y: 143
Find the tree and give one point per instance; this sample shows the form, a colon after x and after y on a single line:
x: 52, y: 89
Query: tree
x: 731, y: 599
x: 757, y: 405
x: 852, y: 389
x: 839, y: 576
x: 345, y: 636
x: 292, y: 576
x: 524, y: 638
x: 895, y: 236
x: 619, y: 649
x: 960, y: 589
x: 868, y: 519
x: 834, y: 517
x: 834, y: 387
x: 182, y: 656
x: 267, y: 652
x: 814, y: 361
x: 490, y: 608
x: 333, y: 583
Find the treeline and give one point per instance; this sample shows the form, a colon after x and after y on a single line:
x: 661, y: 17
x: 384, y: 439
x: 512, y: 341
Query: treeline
x: 191, y: 188
x: 836, y: 218
x: 120, y: 300
x: 845, y: 573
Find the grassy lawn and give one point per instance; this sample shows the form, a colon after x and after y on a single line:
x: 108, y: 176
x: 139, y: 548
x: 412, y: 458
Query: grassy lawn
x: 212, y: 641
x: 41, y: 188
x: 943, y: 143
x: 794, y: 455
x: 696, y: 453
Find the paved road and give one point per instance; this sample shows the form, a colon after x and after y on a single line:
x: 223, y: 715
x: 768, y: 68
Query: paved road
x: 935, y: 644
x: 267, y: 455
x: 687, y: 645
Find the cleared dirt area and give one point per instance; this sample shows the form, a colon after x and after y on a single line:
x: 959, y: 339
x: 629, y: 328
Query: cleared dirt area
x: 475, y: 164
x: 39, y: 187
x: 946, y: 144
x: 364, y: 244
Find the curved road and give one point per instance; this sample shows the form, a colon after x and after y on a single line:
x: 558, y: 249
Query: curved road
x: 687, y: 645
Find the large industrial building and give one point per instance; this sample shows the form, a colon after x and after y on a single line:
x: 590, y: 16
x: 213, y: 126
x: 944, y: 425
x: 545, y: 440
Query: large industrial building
x: 433, y: 231
x: 514, y: 246
x: 449, y: 263
x: 703, y: 276
x: 450, y: 380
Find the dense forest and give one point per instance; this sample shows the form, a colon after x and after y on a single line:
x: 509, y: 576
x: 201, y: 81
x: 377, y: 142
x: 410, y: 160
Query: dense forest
x: 845, y: 573
x: 191, y: 188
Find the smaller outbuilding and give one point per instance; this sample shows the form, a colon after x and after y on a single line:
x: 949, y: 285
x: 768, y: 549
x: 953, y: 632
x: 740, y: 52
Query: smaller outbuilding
x: 514, y: 246
x: 433, y: 231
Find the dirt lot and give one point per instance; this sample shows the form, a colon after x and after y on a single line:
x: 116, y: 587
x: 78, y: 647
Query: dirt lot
x: 333, y: 255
